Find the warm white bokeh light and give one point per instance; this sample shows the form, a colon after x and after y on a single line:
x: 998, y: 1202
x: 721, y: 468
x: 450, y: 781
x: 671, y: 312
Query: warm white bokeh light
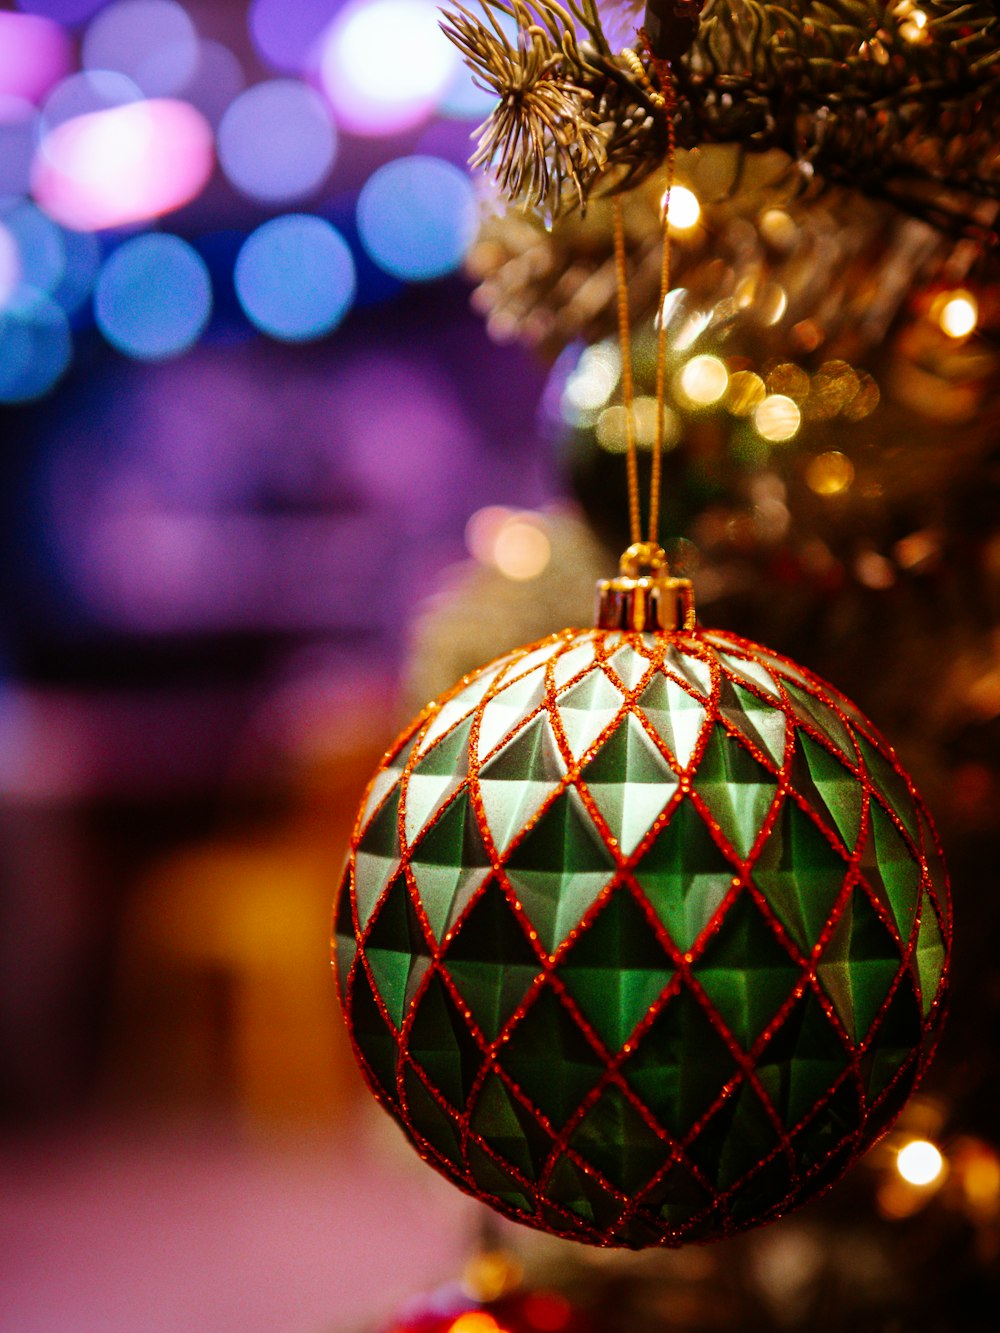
x: 521, y: 550
x: 958, y: 314
x: 704, y: 380
x: 385, y: 64
x: 684, y: 210
x: 777, y: 418
x: 919, y: 1163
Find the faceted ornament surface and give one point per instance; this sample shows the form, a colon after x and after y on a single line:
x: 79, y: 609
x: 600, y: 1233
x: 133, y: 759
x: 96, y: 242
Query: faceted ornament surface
x: 643, y: 938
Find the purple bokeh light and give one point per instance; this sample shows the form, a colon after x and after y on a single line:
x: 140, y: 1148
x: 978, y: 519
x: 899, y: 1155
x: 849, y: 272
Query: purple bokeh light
x: 34, y: 55
x: 285, y: 32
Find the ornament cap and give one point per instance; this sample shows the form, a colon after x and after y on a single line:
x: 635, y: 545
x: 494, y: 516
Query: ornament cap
x: 644, y: 597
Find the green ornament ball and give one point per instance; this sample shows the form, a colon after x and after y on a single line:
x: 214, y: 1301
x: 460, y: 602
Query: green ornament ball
x: 643, y: 938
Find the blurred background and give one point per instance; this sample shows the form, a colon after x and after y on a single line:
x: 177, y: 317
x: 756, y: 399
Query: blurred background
x: 270, y: 480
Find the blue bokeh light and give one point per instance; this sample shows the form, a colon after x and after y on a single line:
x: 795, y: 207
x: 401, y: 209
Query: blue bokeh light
x: 18, y: 140
x: 36, y: 347
x: 276, y: 142
x: 417, y: 217
x: 41, y: 246
x: 83, y: 261
x: 295, y: 277
x: 153, y: 297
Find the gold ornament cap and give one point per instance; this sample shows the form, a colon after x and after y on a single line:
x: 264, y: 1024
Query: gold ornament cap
x: 644, y: 597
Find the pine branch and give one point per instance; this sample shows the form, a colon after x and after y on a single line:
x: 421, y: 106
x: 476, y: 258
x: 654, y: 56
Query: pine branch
x: 857, y: 89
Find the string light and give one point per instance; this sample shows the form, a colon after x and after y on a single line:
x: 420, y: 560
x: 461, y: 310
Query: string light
x: 920, y: 1163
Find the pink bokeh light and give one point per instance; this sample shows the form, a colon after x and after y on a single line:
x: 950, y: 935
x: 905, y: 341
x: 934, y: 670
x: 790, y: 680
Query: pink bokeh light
x: 35, y: 54
x: 123, y: 165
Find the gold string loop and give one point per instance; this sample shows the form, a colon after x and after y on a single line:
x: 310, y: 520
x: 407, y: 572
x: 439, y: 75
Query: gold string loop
x: 664, y: 98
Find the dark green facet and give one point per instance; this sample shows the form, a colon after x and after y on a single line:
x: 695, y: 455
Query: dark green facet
x: 490, y: 961
x: 761, y: 723
x: 345, y: 941
x: 435, y: 777
x: 615, y: 1139
x: 575, y: 1189
x: 587, y: 709
x: 510, y: 1128
x: 394, y: 947
x: 825, y: 719
x: 831, y: 789
x: 675, y: 714
x: 929, y: 956
x: 430, y: 1120
x: 801, y: 874
x: 802, y: 1061
x: 559, y: 868
x: 377, y: 858
x: 892, y: 786
x: 685, y: 875
x: 838, y: 1119
x: 761, y: 1196
x: 678, y: 1197
x: 745, y: 972
x: 736, y: 788
x: 449, y: 864
x: 374, y: 1037
x: 550, y: 1060
x: 734, y: 1139
x: 490, y: 1177
x: 892, y: 873
x: 630, y: 782
x: 858, y: 965
x: 680, y: 1065
x: 616, y: 969
x: 442, y: 1045
x: 518, y: 780
x: 897, y: 1038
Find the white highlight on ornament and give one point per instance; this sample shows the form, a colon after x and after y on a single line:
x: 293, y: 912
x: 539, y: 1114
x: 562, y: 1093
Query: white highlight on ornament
x: 777, y: 418
x: 521, y: 550
x: 919, y: 1163
x: 592, y: 382
x: 683, y: 210
x: 385, y: 64
x: 958, y: 314
x: 704, y: 380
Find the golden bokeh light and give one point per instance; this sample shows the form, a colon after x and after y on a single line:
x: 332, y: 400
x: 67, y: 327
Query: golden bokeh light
x: 920, y: 1163
x: 829, y: 473
x: 746, y: 391
x: 704, y: 380
x: 777, y: 418
x: 957, y: 313
x: 475, y: 1321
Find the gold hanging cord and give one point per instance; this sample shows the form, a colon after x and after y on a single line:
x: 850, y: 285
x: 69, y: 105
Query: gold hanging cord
x: 664, y: 98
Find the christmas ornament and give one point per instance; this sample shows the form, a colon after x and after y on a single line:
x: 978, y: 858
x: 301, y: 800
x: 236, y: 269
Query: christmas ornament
x: 644, y: 932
